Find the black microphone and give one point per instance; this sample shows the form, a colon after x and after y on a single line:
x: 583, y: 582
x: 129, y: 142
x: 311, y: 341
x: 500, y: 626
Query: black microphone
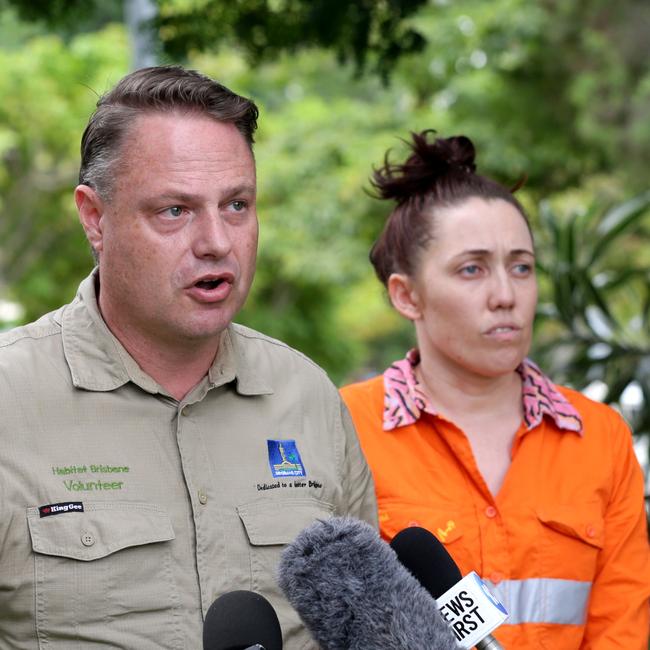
x: 429, y: 562
x: 241, y: 620
x: 352, y: 593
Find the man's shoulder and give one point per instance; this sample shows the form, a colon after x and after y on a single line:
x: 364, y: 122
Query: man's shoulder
x: 260, y: 348
x: 31, y: 355
x: 45, y: 327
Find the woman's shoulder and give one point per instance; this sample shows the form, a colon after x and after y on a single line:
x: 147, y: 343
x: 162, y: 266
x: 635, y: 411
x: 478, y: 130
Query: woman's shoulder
x: 365, y: 400
x: 595, y: 415
x: 363, y: 389
x: 581, y: 402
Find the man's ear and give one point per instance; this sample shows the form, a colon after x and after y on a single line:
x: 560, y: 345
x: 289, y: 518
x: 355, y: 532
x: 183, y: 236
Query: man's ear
x: 404, y: 296
x: 91, y: 211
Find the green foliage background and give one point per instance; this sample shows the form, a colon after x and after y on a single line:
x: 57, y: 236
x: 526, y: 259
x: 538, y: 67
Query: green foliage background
x: 558, y: 92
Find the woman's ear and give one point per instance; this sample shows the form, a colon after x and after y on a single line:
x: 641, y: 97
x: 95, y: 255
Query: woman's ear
x: 404, y: 296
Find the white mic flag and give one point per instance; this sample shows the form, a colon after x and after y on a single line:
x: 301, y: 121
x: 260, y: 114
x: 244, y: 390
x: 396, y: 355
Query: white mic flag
x: 471, y: 610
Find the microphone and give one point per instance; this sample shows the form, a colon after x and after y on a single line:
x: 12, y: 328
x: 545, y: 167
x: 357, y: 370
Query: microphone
x: 352, y: 593
x: 466, y: 603
x: 241, y: 620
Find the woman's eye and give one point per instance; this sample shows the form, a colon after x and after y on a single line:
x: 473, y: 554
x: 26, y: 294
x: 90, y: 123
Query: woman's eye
x: 470, y: 269
x: 523, y: 269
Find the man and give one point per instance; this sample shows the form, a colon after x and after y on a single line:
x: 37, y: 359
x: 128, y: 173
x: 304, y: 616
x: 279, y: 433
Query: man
x: 152, y: 454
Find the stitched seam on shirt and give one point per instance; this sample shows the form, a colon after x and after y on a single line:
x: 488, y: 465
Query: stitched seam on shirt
x: 252, y: 334
x: 27, y: 335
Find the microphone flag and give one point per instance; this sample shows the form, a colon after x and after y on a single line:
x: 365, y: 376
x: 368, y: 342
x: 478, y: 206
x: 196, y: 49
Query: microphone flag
x: 471, y: 610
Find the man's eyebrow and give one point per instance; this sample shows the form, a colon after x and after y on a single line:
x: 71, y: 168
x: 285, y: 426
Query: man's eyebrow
x: 181, y: 197
x: 186, y: 197
x: 243, y: 188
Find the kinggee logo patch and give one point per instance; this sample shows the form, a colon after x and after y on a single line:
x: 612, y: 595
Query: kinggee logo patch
x: 284, y: 458
x: 60, y: 508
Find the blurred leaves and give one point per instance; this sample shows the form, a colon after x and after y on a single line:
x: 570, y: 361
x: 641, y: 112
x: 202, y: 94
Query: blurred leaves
x: 48, y: 89
x: 370, y: 33
x: 67, y: 18
x: 595, y: 268
x: 557, y: 91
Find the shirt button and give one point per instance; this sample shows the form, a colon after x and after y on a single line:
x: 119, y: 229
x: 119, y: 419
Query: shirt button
x: 590, y: 530
x: 87, y: 539
x: 203, y: 497
x: 184, y: 411
x: 491, y: 512
x: 413, y: 523
x: 496, y: 577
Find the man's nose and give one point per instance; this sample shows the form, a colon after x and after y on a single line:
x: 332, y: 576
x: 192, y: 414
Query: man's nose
x: 210, y: 236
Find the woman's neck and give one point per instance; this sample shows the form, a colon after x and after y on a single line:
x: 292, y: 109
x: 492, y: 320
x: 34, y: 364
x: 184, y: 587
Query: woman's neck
x: 487, y: 409
x: 459, y: 391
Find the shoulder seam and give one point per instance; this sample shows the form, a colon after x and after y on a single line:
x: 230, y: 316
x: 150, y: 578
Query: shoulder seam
x: 27, y: 335
x: 249, y: 333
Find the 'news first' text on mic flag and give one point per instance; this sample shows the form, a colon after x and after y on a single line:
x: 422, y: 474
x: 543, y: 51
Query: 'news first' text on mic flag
x: 471, y: 610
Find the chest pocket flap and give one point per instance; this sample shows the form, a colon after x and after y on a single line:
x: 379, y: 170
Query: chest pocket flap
x: 279, y: 522
x: 583, y: 521
x: 100, y: 530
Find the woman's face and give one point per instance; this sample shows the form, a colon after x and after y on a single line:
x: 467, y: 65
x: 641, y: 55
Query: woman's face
x: 474, y: 294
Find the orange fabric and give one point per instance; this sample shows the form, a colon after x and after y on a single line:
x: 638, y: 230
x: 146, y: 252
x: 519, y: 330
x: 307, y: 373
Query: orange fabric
x: 570, y: 507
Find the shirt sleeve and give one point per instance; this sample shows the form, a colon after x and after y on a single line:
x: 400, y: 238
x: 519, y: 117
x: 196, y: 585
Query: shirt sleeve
x: 618, y: 614
x: 357, y: 479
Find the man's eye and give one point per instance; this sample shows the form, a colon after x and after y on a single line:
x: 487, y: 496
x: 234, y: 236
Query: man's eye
x: 175, y: 211
x: 238, y: 206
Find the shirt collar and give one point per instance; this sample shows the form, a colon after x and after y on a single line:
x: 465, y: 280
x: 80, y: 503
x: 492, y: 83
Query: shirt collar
x: 99, y: 362
x: 404, y: 400
x: 234, y: 362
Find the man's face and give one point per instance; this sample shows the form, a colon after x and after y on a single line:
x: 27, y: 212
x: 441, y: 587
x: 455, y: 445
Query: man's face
x: 177, y: 240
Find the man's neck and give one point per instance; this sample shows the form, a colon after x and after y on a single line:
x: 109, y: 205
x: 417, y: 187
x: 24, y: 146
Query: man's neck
x: 178, y: 371
x: 175, y: 366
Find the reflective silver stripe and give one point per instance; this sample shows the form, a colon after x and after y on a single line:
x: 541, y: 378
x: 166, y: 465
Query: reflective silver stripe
x: 543, y: 600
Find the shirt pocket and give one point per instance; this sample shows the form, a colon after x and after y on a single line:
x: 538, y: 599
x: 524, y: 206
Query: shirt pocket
x: 105, y: 575
x: 572, y: 536
x: 271, y: 525
x: 395, y: 516
x: 449, y: 524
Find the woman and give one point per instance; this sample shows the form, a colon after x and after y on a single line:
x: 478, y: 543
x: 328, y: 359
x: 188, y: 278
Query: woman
x: 532, y: 485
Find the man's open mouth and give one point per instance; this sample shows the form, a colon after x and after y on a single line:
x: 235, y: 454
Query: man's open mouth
x: 209, y: 284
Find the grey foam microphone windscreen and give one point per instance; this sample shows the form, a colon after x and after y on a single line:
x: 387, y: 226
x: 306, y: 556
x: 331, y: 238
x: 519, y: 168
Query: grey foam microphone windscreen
x: 352, y: 593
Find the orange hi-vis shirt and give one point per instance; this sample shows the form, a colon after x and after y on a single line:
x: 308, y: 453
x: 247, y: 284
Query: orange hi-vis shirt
x: 563, y: 544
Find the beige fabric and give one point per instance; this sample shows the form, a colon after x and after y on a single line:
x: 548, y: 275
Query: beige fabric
x: 179, y: 500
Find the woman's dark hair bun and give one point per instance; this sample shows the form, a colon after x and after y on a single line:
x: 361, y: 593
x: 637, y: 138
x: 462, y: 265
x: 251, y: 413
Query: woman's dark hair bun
x: 428, y: 163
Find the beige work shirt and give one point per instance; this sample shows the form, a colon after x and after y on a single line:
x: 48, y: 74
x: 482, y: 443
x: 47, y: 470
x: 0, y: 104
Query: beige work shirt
x: 124, y: 513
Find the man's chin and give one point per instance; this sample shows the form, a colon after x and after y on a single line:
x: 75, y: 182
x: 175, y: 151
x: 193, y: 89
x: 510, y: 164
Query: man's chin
x: 193, y: 332
x: 206, y: 332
